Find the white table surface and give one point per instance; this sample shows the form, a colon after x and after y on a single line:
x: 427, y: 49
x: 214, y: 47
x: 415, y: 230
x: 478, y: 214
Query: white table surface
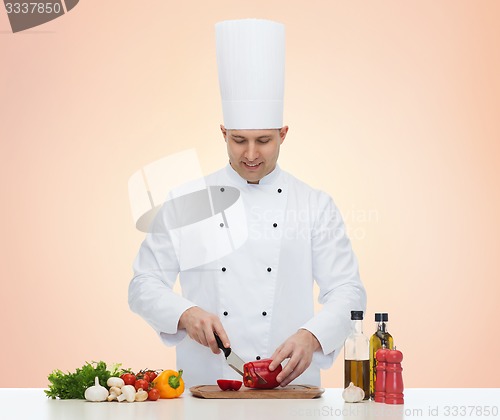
x: 420, y: 403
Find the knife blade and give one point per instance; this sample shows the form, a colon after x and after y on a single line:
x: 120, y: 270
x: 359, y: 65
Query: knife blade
x: 234, y: 361
x: 232, y: 358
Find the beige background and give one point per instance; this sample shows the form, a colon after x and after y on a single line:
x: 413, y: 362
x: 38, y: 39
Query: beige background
x: 393, y: 109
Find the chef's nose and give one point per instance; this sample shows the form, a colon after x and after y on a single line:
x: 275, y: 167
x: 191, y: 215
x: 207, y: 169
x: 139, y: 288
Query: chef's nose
x: 252, y: 151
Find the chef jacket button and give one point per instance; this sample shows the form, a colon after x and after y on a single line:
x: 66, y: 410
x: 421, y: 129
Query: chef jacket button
x: 264, y: 313
x: 223, y: 268
x: 222, y: 189
x: 257, y: 358
x: 275, y: 225
x: 225, y: 313
x: 269, y: 269
x: 221, y: 225
x: 279, y: 190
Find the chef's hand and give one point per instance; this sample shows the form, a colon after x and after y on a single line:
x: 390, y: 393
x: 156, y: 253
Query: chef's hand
x: 299, y: 348
x: 200, y: 325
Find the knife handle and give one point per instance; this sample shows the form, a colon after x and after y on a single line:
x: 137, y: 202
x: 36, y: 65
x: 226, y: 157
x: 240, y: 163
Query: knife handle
x: 226, y: 350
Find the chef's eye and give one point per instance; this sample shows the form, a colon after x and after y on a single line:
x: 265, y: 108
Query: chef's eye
x: 239, y: 141
x: 265, y: 141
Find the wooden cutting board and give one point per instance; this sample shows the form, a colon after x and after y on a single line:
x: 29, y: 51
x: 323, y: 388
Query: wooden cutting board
x: 288, y: 392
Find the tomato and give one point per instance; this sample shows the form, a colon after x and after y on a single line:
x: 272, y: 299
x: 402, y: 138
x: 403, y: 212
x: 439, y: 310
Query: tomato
x: 229, y: 385
x: 128, y: 378
x: 153, y: 394
x: 150, y: 375
x: 141, y: 383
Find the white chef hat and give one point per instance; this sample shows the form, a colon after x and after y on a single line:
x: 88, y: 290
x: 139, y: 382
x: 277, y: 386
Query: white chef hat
x: 251, y: 64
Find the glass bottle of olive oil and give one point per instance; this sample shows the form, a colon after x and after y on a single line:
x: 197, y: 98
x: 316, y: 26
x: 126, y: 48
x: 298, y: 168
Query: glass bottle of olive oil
x: 357, y: 356
x: 380, y: 339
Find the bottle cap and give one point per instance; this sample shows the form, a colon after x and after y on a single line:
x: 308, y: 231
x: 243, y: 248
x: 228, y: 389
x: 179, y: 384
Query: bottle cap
x: 382, y: 317
x: 356, y: 315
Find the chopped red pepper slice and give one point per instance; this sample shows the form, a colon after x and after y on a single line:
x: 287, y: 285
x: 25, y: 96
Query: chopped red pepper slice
x: 253, y: 370
x: 229, y: 385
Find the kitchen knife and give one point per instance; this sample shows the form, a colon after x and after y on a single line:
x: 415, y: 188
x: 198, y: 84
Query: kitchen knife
x: 233, y: 360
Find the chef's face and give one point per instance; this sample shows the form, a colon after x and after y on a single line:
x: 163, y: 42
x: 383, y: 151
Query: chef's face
x: 253, y: 153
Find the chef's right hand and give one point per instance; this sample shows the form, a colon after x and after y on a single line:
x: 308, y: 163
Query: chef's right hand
x: 200, y: 325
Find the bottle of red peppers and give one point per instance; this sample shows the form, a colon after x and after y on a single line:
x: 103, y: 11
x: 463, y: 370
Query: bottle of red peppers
x: 357, y: 356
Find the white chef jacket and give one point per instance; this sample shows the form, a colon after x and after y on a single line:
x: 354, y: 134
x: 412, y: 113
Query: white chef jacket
x: 263, y: 290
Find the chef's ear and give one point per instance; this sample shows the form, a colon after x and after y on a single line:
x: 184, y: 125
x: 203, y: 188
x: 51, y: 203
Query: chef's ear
x: 224, y: 131
x: 283, y: 133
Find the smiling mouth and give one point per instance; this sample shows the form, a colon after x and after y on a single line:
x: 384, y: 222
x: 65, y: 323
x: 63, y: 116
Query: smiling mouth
x: 251, y: 166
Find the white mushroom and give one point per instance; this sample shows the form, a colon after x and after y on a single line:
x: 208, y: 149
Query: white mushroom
x: 128, y: 393
x: 114, y: 391
x: 114, y: 381
x: 141, y: 395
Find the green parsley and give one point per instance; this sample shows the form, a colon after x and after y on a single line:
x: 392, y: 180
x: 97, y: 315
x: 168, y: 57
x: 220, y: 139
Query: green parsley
x: 73, y: 385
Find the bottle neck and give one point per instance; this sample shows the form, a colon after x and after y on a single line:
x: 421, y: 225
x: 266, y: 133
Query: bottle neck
x: 357, y: 326
x: 382, y: 327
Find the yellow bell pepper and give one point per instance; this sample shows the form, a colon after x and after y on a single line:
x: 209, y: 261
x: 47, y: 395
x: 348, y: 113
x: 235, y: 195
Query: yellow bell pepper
x: 169, y: 383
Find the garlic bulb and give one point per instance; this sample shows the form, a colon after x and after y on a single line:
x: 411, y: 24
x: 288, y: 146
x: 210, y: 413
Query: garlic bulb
x: 96, y: 392
x: 353, y: 394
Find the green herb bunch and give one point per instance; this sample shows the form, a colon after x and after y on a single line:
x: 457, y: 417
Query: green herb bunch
x: 73, y: 385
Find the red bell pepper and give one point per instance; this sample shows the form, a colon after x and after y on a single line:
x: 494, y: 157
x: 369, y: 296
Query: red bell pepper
x: 229, y: 385
x: 260, y: 368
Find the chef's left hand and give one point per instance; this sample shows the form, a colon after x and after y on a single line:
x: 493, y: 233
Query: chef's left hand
x: 299, y: 348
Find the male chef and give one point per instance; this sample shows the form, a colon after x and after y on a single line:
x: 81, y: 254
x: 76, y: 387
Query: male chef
x: 247, y: 263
